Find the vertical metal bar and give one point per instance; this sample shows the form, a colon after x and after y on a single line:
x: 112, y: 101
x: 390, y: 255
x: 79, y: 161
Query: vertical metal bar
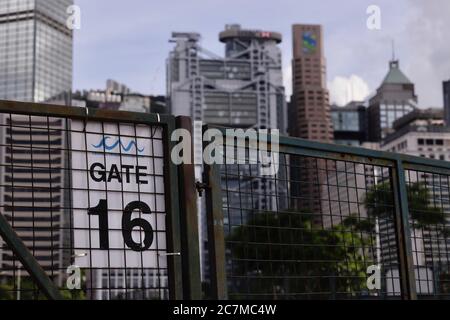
x: 190, y: 250
x: 215, y: 225
x: 28, y: 261
x: 403, y: 233
x: 173, y: 216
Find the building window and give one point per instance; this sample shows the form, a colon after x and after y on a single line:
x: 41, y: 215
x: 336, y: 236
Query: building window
x: 429, y: 142
x: 439, y: 142
x: 441, y: 157
x: 420, y: 142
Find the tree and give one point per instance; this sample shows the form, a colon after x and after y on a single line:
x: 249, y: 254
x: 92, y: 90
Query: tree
x: 379, y: 202
x: 6, y: 292
x: 30, y: 291
x: 284, y: 254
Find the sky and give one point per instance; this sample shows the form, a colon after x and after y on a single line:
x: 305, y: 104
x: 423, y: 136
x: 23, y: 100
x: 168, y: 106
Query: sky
x: 128, y: 41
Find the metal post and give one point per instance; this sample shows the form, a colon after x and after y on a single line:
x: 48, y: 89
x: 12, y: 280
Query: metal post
x: 173, y: 217
x: 192, y: 283
x: 403, y: 233
x: 19, y: 278
x: 216, y: 238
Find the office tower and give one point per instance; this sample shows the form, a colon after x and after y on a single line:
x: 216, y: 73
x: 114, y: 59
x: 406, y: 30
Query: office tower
x: 35, y: 50
x: 310, y: 110
x: 394, y: 98
x: 350, y: 124
x: 243, y: 89
x: 309, y: 114
x: 32, y: 193
x: 35, y: 66
x: 446, y: 91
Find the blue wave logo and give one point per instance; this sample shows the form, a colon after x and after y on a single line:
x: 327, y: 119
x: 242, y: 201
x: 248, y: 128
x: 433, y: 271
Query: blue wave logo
x: 103, y: 144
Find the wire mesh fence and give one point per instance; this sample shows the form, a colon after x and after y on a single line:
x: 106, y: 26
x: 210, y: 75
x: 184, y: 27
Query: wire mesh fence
x: 307, y: 232
x: 96, y: 200
x: 329, y: 225
x: 89, y: 199
x: 428, y: 195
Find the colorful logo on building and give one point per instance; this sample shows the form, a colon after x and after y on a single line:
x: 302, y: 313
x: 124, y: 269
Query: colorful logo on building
x: 309, y: 42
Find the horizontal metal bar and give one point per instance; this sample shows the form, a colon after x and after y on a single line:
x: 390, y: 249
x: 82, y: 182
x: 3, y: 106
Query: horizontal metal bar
x: 426, y: 168
x: 362, y: 152
x: 50, y: 110
x: 325, y: 154
x: 328, y: 150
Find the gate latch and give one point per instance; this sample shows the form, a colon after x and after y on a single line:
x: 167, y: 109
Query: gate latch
x: 200, y: 186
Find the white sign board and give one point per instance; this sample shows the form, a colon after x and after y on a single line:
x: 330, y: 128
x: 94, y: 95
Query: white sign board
x: 118, y: 196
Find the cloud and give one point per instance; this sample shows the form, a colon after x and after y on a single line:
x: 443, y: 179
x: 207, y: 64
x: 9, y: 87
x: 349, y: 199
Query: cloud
x: 428, y: 47
x: 346, y: 89
x: 110, y: 46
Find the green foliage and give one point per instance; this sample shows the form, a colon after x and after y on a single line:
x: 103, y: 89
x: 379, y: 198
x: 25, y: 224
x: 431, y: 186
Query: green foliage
x: 29, y: 291
x: 6, y: 292
x: 73, y: 294
x: 379, y: 202
x: 285, y: 252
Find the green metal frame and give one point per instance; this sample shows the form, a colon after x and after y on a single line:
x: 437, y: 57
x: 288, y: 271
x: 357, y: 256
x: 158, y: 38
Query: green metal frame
x: 397, y: 163
x: 182, y: 236
x: 403, y: 234
x: 215, y: 225
x: 167, y: 122
x: 190, y: 248
x: 346, y: 153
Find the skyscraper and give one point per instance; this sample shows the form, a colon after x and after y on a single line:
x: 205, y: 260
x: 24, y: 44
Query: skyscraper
x: 310, y: 110
x: 35, y: 66
x: 244, y: 89
x: 446, y: 91
x: 394, y: 98
x: 309, y: 114
x: 35, y: 50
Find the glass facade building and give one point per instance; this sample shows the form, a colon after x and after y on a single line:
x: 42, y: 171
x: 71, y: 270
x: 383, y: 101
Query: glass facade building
x: 446, y: 92
x: 244, y: 89
x: 35, y: 50
x: 391, y: 112
x: 35, y: 66
x: 350, y: 125
x: 345, y: 121
x: 394, y: 99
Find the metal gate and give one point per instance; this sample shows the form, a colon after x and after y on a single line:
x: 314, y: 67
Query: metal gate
x: 66, y: 219
x: 333, y: 222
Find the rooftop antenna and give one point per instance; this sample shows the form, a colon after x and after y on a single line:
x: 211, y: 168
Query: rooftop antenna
x: 393, y: 50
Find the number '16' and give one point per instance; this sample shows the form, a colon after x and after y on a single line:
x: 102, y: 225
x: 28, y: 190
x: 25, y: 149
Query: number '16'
x: 128, y: 224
